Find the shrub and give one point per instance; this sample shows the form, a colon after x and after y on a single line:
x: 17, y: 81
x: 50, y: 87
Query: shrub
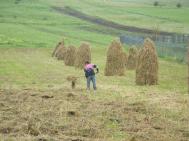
x: 156, y: 3
x: 179, y: 5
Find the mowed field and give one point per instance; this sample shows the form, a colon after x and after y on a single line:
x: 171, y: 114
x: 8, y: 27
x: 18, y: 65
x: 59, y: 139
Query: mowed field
x: 38, y: 104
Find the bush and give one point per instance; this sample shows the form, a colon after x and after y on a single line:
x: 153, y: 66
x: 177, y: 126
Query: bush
x: 179, y: 5
x: 156, y: 3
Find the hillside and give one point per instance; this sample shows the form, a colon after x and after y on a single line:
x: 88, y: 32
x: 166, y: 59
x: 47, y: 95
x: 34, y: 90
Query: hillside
x: 37, y: 102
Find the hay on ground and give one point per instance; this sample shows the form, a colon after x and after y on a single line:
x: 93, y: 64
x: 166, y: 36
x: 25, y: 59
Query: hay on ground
x: 132, y: 59
x: 83, y: 54
x: 147, y: 64
x: 114, y: 62
x: 69, y: 58
x: 54, y: 54
x: 73, y: 80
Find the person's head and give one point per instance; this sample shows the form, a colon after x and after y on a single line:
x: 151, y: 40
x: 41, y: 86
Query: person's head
x: 87, y: 62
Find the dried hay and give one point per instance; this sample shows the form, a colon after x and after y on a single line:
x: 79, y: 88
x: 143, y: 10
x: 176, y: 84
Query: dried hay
x: 73, y: 80
x: 61, y: 54
x: 132, y: 59
x: 54, y: 54
x: 114, y: 62
x: 147, y: 64
x: 69, y: 58
x: 60, y: 51
x: 125, y: 58
x: 83, y: 54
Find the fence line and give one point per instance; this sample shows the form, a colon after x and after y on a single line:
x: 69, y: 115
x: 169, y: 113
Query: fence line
x: 174, y: 46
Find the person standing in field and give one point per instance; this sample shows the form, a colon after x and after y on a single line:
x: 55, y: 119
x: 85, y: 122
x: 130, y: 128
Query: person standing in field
x: 89, y: 70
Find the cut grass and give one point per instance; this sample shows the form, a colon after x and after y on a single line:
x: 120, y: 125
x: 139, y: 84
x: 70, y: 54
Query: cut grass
x: 37, y: 102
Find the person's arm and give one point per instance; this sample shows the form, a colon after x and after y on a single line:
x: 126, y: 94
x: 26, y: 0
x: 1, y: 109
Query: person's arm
x: 96, y: 67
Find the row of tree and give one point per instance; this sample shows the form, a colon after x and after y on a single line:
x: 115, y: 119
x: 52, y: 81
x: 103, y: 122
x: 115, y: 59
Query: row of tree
x: 178, y: 5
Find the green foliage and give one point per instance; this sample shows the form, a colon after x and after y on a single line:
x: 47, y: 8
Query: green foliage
x: 179, y: 5
x: 156, y: 3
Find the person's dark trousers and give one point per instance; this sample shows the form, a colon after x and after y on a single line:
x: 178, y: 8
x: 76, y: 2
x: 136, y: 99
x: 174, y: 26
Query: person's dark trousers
x: 93, y: 79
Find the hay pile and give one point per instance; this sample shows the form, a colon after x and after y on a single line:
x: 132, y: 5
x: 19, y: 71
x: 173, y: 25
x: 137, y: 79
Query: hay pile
x: 73, y: 80
x: 59, y: 51
x: 147, y: 64
x: 59, y: 45
x: 69, y: 58
x: 125, y: 58
x: 83, y: 54
x: 114, y: 62
x: 132, y: 59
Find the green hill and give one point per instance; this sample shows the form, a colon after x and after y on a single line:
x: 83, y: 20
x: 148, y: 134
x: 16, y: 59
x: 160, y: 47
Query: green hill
x: 37, y: 102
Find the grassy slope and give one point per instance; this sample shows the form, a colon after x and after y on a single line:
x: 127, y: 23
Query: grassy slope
x: 137, y: 13
x: 33, y: 26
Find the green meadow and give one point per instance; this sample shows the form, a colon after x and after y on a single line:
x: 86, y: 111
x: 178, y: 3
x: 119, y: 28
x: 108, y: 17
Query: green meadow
x: 37, y: 102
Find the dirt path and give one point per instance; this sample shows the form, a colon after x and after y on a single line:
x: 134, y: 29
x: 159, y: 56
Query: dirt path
x: 100, y: 21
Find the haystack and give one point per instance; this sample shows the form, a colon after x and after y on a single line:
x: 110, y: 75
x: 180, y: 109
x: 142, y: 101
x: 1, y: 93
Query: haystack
x: 69, y: 58
x: 61, y: 51
x: 132, y: 59
x: 125, y: 58
x: 59, y: 45
x: 114, y: 62
x: 83, y: 54
x: 147, y: 64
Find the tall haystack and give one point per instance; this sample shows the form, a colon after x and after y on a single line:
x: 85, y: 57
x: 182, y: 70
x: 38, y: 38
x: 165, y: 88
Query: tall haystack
x: 132, y: 59
x: 115, y: 61
x: 83, y: 54
x: 59, y: 45
x: 69, y: 58
x: 125, y: 58
x: 61, y: 51
x: 147, y: 64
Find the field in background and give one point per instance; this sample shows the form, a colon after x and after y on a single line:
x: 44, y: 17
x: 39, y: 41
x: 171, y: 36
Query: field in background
x: 36, y: 101
x: 137, y: 13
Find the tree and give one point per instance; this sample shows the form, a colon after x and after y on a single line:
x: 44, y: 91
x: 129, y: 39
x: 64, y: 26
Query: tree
x: 156, y: 3
x: 179, y: 5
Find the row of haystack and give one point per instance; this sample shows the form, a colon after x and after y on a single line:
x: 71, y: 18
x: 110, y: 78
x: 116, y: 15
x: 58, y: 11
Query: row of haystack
x: 145, y: 61
x: 71, y: 55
